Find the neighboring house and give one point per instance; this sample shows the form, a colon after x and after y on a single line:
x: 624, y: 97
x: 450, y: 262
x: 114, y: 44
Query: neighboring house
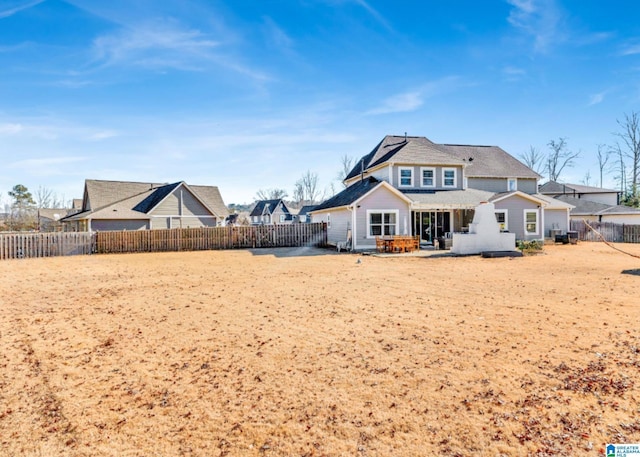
x: 120, y: 205
x: 303, y: 215
x: 49, y: 219
x: 412, y: 186
x: 268, y: 212
x: 594, y: 211
x: 576, y: 191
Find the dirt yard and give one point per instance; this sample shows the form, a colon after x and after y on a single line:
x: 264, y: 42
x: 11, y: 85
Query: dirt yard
x: 299, y: 352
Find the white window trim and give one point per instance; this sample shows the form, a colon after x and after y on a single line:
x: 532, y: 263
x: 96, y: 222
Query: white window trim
x: 282, y: 218
x: 376, y: 211
x: 422, y: 170
x: 534, y: 211
x: 328, y: 220
x: 455, y: 176
x: 506, y: 218
x: 400, y: 170
x: 515, y: 184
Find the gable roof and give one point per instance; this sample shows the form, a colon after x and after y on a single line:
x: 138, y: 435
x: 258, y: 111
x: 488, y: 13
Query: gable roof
x: 590, y: 208
x: 269, y: 206
x: 516, y: 193
x: 553, y: 187
x: 306, y: 209
x: 133, y: 200
x: 479, y: 161
x: 406, y: 150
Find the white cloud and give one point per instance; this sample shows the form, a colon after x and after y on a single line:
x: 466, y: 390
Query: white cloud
x: 538, y: 18
x: 597, y: 98
x: 156, y: 44
x: 10, y: 129
x: 412, y: 100
x: 631, y: 49
x: 10, y: 8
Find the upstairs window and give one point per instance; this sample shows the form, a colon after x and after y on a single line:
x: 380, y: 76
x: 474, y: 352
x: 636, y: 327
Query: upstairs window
x: 428, y: 177
x: 406, y: 177
x: 449, y: 177
x: 282, y: 218
x: 512, y: 184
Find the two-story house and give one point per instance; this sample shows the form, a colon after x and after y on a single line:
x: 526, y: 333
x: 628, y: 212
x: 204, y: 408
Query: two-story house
x: 267, y: 212
x: 412, y: 186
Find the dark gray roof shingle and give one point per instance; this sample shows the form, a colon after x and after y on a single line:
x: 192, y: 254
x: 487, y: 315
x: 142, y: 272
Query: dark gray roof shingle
x: 350, y: 194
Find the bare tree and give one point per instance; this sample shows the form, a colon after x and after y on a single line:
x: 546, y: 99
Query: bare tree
x: 559, y: 158
x: 587, y: 178
x: 346, y: 163
x: 630, y: 137
x: 621, y: 169
x: 43, y: 197
x: 298, y: 193
x: 534, y: 159
x: 271, y: 194
x: 603, y: 155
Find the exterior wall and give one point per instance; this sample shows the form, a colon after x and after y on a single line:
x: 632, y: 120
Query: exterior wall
x: 190, y: 206
x: 515, y: 207
x: 555, y: 219
x: 103, y: 225
x: 607, y: 199
x: 340, y: 223
x: 380, y: 199
x: 629, y: 219
x: 275, y: 216
x: 170, y: 206
x: 528, y: 186
x: 417, y: 177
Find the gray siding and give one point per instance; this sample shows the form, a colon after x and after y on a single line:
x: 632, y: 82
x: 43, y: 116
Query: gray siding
x: 169, y: 206
x: 191, y: 206
x: 497, y: 185
x: 115, y: 224
x: 380, y: 199
x: 555, y: 219
x: 515, y: 206
x: 340, y: 224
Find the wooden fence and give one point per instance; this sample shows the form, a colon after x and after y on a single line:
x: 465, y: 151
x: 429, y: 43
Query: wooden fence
x: 25, y: 245
x: 208, y: 238
x: 612, y: 232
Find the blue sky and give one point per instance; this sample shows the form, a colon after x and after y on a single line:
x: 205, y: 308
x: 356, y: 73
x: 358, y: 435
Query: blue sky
x: 249, y: 95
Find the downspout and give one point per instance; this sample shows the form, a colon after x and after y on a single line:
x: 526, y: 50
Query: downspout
x: 354, y: 238
x: 542, y: 225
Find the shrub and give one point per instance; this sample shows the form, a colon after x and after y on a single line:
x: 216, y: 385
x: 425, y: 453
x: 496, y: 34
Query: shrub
x: 530, y: 247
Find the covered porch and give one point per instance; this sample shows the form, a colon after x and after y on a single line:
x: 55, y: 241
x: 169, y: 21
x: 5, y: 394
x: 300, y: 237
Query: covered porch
x: 435, y: 216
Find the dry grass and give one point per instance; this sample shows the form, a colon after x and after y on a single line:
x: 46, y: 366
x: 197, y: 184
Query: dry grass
x: 251, y: 354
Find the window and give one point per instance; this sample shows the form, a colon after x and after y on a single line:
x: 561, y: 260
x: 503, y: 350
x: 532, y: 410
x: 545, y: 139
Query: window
x: 382, y: 223
x: 501, y: 218
x: 530, y: 222
x: 406, y: 177
x: 448, y: 177
x: 512, y: 184
x: 282, y: 218
x: 328, y: 220
x: 428, y: 177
